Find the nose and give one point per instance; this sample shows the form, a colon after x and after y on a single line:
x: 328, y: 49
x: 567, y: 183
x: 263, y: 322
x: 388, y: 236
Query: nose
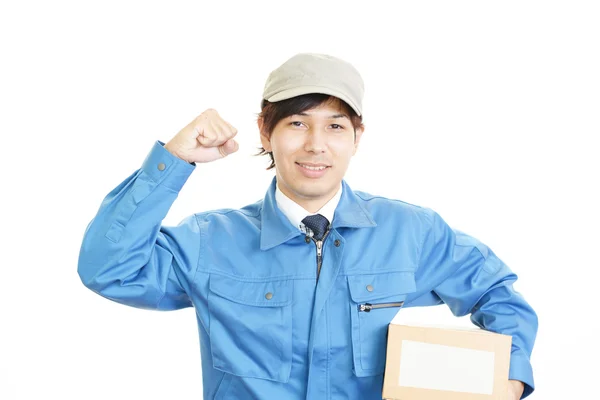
x: 315, y: 141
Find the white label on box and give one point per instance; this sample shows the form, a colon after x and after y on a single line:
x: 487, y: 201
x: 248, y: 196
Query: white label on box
x: 439, y: 367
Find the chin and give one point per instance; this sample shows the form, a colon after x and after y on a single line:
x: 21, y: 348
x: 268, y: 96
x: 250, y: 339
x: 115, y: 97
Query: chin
x: 313, y: 189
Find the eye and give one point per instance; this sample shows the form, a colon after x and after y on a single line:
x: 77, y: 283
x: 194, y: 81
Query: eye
x: 296, y: 123
x: 337, y: 126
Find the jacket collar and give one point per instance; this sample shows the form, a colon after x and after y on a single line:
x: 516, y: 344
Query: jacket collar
x: 276, y: 228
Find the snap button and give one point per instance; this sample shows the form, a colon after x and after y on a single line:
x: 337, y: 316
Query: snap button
x: 161, y: 166
x: 370, y: 288
x: 269, y: 296
x: 337, y: 243
x: 307, y: 239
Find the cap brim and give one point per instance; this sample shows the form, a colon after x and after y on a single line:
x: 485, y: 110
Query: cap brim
x: 299, y: 91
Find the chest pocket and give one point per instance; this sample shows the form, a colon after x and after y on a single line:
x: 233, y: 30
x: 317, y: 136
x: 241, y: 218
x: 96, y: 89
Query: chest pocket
x: 376, y: 299
x: 251, y: 327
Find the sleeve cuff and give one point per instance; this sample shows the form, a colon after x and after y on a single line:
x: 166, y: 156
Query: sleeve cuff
x: 166, y: 169
x: 520, y: 370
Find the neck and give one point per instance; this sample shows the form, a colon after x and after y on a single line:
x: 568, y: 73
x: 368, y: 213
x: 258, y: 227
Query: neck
x: 310, y: 204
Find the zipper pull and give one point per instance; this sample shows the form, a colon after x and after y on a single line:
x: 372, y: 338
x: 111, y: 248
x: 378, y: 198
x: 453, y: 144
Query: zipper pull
x: 368, y: 306
x: 319, y: 247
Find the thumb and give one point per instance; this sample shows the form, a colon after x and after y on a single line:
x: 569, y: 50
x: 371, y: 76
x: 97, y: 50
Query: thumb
x: 229, y: 147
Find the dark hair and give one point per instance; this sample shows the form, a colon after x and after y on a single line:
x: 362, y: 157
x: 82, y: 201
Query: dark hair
x: 272, y: 113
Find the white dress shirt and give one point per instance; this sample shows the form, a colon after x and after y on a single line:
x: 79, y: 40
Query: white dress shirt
x: 296, y: 213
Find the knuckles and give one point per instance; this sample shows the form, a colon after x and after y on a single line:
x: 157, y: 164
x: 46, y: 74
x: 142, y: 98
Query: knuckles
x: 213, y: 127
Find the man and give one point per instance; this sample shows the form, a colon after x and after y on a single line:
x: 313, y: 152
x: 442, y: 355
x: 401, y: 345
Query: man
x: 283, y: 287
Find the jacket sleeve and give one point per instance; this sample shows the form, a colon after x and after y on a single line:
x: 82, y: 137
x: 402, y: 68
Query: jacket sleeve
x: 126, y: 255
x: 467, y: 276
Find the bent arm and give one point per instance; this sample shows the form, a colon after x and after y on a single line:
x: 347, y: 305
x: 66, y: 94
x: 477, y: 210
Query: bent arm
x: 471, y: 279
x: 126, y: 255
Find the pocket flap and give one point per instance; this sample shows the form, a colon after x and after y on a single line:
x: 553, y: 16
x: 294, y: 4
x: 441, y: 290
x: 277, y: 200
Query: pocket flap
x: 261, y: 294
x: 375, y: 286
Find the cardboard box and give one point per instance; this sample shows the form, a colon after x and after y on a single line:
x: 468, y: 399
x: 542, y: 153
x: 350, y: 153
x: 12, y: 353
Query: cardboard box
x: 438, y: 363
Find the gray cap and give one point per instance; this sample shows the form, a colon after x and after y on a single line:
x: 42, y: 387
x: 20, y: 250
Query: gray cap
x: 307, y: 73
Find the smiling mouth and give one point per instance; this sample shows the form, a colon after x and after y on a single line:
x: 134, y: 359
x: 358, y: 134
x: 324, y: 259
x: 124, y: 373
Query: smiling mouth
x: 313, y: 167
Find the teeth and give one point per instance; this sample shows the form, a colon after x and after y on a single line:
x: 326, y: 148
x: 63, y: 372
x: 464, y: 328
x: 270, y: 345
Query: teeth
x: 313, y: 168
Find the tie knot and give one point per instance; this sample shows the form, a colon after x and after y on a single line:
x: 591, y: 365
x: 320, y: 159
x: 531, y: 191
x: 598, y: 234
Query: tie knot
x: 317, y: 224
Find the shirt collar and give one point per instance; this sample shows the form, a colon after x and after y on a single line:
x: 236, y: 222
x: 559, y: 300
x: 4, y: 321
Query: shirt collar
x: 276, y: 228
x: 295, y: 213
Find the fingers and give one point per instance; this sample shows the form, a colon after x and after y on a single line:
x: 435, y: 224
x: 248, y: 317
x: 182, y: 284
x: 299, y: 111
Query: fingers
x: 209, y: 134
x: 229, y: 147
x: 208, y: 154
x: 214, y: 131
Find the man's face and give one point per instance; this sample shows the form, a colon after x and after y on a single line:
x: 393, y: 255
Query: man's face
x: 312, y: 151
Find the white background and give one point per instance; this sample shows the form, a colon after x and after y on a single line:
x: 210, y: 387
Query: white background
x: 487, y: 112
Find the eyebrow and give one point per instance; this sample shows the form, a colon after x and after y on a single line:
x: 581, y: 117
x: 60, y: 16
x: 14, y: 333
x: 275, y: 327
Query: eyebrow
x: 334, y: 116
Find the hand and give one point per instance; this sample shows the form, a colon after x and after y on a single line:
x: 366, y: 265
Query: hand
x: 207, y: 138
x: 515, y: 390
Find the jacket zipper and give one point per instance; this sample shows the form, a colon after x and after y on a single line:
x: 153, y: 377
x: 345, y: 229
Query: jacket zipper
x: 367, y: 307
x: 319, y: 244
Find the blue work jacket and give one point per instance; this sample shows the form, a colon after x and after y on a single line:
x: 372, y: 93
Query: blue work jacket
x: 269, y: 327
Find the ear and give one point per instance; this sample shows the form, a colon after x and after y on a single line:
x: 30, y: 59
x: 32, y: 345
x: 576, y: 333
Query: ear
x: 265, y: 140
x: 359, y: 132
